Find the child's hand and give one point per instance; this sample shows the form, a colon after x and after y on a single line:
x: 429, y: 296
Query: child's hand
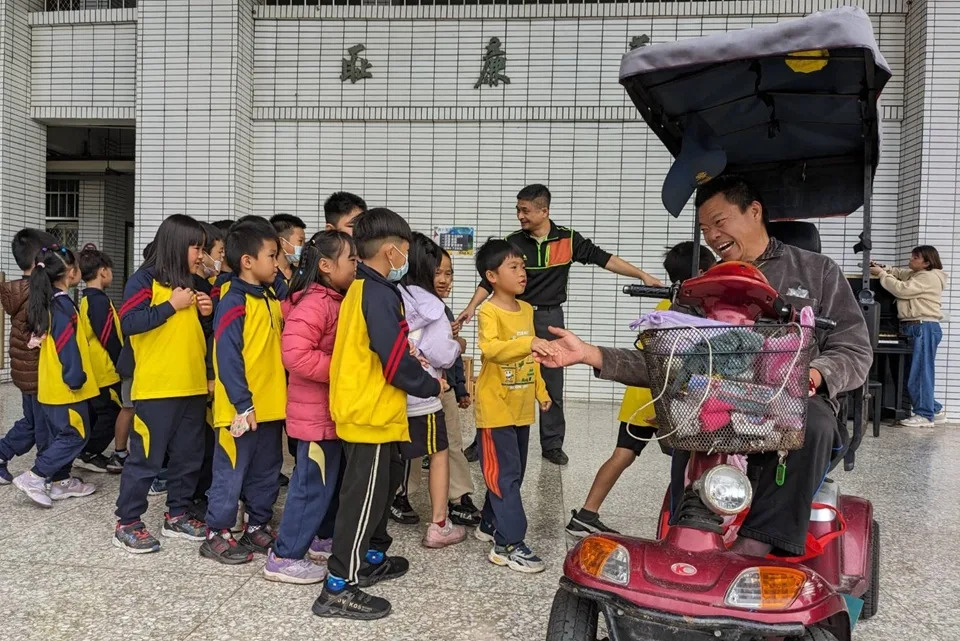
x: 444, y: 386
x: 464, y: 402
x: 210, y: 385
x: 181, y: 298
x: 463, y: 344
x: 543, y: 347
x: 252, y: 421
x: 455, y: 328
x: 204, y: 304
x: 545, y: 406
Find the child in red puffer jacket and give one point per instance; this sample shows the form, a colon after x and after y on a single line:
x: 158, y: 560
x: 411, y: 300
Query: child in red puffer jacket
x: 327, y: 266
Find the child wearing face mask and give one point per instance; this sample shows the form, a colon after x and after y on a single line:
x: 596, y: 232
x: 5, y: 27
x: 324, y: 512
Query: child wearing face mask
x: 327, y: 267
x: 292, y: 233
x: 371, y: 374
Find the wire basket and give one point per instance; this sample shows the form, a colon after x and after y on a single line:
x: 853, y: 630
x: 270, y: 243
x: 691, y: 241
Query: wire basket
x: 732, y: 389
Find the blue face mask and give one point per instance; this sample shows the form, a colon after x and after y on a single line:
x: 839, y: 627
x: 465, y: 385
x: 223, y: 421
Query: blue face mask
x: 397, y: 273
x: 297, y: 251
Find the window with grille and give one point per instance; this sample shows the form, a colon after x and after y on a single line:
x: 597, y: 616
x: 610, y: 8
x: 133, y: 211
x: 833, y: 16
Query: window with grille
x: 77, y: 5
x: 63, y: 198
x: 421, y: 3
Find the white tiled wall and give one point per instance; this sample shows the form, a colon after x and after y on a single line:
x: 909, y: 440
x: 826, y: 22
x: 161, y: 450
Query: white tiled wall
x: 106, y: 206
x: 418, y: 138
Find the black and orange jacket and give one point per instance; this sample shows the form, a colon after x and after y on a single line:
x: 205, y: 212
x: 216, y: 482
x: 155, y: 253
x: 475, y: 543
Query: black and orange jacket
x: 167, y: 346
x: 548, y: 263
x: 372, y: 370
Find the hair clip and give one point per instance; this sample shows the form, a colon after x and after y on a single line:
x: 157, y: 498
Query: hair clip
x: 40, y: 264
x: 300, y: 271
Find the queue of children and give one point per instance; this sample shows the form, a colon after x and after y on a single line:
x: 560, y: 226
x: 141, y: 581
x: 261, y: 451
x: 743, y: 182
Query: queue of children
x: 341, y: 342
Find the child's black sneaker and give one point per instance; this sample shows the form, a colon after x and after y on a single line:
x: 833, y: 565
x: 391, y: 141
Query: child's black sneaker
x: 402, y: 512
x: 582, y: 525
x: 471, y: 453
x: 184, y: 527
x: 91, y: 462
x: 348, y: 602
x: 259, y: 538
x: 425, y: 463
x: 223, y: 548
x: 135, y: 538
x: 6, y: 478
x: 379, y: 567
x: 464, y: 512
x: 484, y: 532
x: 115, y: 463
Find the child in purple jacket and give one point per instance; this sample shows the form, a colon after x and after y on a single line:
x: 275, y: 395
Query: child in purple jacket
x: 432, y: 341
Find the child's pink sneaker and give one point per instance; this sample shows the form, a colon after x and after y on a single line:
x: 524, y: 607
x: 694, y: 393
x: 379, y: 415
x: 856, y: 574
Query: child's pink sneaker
x: 441, y: 537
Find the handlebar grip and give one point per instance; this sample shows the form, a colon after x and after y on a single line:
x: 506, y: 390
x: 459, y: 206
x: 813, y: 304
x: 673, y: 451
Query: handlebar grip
x: 647, y: 291
x: 821, y: 322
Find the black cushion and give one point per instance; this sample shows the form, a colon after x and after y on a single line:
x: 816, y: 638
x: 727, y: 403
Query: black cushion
x: 796, y: 233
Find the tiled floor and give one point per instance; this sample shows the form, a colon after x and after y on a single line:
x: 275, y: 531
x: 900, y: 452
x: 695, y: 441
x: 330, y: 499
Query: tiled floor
x: 61, y: 579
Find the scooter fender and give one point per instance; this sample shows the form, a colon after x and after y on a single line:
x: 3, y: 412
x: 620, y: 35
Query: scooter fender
x: 695, y: 584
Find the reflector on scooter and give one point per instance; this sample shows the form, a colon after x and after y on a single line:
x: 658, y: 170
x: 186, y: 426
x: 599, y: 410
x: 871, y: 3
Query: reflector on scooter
x: 765, y: 588
x: 605, y: 559
x: 726, y: 490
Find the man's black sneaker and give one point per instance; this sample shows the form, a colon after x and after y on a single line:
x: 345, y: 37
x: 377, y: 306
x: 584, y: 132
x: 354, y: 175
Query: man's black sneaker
x: 471, y: 453
x: 581, y: 526
x: 556, y: 456
x: 198, y: 509
x: 115, y: 463
x: 464, y: 512
x: 425, y: 463
x: 91, y: 462
x: 402, y: 512
x: 258, y: 538
x: 223, y: 548
x: 350, y: 603
x: 284, y: 480
x: 391, y: 567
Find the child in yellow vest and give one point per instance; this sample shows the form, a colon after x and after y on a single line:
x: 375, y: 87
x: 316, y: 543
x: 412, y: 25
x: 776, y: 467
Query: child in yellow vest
x: 66, y: 381
x: 637, y: 417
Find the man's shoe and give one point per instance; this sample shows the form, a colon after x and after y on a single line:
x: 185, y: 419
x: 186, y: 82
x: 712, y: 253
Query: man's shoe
x: 259, y: 538
x: 917, y: 421
x: 402, y: 512
x: 70, y: 488
x: 92, y: 462
x: 517, y: 557
x: 379, y: 567
x: 184, y: 527
x: 135, y: 538
x: 484, y: 532
x: 581, y: 525
x: 556, y: 456
x: 471, y: 453
x: 296, y: 571
x: 34, y: 487
x: 223, y: 548
x: 349, y: 602
x: 115, y: 463
x: 464, y: 512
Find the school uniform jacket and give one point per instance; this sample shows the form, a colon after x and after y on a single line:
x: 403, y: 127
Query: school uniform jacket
x: 372, y: 370
x: 65, y: 371
x: 107, y: 337
x: 167, y: 346
x: 246, y: 355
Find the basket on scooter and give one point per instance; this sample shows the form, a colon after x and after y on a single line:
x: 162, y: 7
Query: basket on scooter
x: 734, y: 389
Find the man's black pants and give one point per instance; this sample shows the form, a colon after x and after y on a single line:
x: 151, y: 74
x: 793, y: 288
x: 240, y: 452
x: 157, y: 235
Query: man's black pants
x: 553, y: 425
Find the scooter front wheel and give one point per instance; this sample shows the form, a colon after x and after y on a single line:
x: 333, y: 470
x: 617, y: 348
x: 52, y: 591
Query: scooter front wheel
x: 815, y: 634
x: 572, y: 618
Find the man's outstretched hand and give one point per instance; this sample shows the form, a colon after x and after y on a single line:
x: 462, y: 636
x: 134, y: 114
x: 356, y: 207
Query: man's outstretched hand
x: 568, y: 350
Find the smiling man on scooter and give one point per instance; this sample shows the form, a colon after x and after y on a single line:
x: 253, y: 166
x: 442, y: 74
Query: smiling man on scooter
x: 733, y: 223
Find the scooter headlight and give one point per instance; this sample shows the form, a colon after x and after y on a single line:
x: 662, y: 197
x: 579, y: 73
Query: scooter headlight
x: 765, y: 588
x: 605, y: 559
x: 726, y: 490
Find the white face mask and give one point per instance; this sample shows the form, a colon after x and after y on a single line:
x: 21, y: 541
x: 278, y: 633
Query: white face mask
x: 211, y: 271
x: 297, y: 250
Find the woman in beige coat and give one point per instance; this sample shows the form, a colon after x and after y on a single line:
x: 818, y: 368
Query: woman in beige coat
x: 919, y: 288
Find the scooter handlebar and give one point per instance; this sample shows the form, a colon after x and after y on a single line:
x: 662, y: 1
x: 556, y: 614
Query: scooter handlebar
x: 648, y: 291
x: 822, y: 322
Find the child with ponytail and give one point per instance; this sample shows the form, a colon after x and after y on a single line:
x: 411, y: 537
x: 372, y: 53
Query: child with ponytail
x: 327, y: 267
x: 66, y: 381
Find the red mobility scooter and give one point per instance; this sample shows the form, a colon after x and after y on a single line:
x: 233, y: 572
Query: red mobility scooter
x: 793, y: 107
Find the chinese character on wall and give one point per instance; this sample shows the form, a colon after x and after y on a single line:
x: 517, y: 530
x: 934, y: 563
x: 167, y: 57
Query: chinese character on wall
x: 355, y: 68
x: 494, y: 64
